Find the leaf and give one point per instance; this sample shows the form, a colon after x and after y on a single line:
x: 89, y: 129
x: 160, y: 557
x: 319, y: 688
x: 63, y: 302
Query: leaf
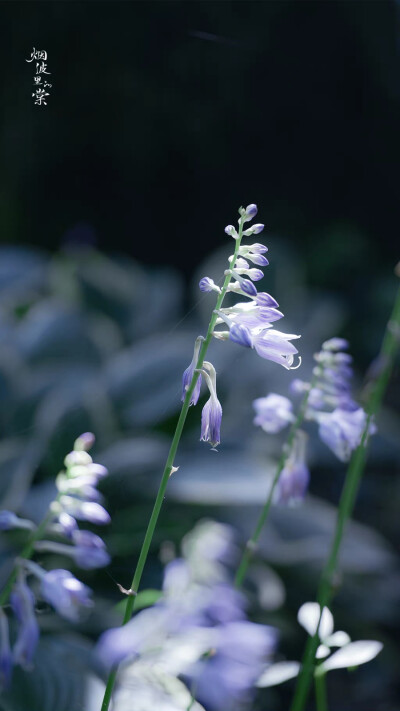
x: 338, y: 639
x: 278, y: 673
x: 308, y: 617
x: 352, y: 655
x: 57, y: 681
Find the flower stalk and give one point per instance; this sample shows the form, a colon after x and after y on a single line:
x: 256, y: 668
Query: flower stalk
x: 130, y: 602
x: 251, y: 544
x: 348, y: 496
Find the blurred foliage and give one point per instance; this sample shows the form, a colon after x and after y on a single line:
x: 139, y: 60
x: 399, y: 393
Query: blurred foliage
x: 91, y: 342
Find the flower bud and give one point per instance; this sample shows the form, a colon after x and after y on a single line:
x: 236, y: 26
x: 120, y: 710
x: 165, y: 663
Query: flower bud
x: 254, y: 230
x: 241, y: 335
x: 230, y: 230
x: 255, y: 274
x: 264, y: 299
x: 250, y: 212
x: 207, y: 284
x: 84, y: 442
x: 248, y: 287
x: 258, y: 259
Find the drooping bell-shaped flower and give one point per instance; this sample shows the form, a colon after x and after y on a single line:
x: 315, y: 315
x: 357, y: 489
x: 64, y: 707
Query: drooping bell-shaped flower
x: 211, y: 415
x: 294, y: 479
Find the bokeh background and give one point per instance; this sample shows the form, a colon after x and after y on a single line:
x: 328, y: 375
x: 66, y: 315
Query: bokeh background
x: 162, y: 119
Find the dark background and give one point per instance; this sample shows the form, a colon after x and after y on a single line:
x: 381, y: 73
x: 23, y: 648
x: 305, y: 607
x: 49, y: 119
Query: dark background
x: 162, y: 119
x: 165, y: 116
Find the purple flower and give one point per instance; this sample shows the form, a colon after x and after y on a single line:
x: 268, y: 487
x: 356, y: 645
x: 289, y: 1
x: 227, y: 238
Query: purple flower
x: 257, y: 248
x: 9, y: 520
x: 294, y: 478
x: 253, y: 316
x: 22, y: 602
x: 89, y: 551
x: 273, y: 412
x: 85, y: 510
x: 119, y: 643
x: 274, y: 345
x: 255, y: 274
x: 67, y: 523
x: 241, y: 335
x: 65, y: 593
x: 264, y: 299
x: 226, y: 680
x: 250, y: 212
x: 293, y: 483
x: 211, y: 415
x: 258, y: 259
x: 230, y: 230
x: 188, y: 374
x: 6, y: 662
x: 247, y: 287
x: 342, y: 430
x: 207, y: 284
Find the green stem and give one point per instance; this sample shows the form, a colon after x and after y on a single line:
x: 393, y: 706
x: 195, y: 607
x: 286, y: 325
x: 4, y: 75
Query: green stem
x: 252, y: 542
x: 130, y: 603
x: 347, y: 499
x: 320, y: 692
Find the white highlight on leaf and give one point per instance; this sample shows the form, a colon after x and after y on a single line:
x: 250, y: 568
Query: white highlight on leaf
x: 278, y: 673
x: 322, y: 651
x: 352, y: 655
x: 308, y: 617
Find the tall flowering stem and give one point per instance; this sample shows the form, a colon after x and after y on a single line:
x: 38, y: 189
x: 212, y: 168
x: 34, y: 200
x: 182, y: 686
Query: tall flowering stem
x: 354, y: 473
x: 252, y: 542
x: 169, y: 466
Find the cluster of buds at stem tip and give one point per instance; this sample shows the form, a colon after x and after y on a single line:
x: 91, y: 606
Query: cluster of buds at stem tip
x: 78, y: 498
x: 249, y: 322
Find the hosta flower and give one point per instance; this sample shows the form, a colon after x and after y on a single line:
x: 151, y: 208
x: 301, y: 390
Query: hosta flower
x: 65, y: 593
x: 226, y: 679
x: 342, y: 430
x: 207, y: 284
x: 85, y: 510
x: 330, y: 404
x: 22, y: 603
x: 294, y: 479
x: 211, y: 415
x: 275, y: 345
x: 89, y: 550
x: 273, y: 412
